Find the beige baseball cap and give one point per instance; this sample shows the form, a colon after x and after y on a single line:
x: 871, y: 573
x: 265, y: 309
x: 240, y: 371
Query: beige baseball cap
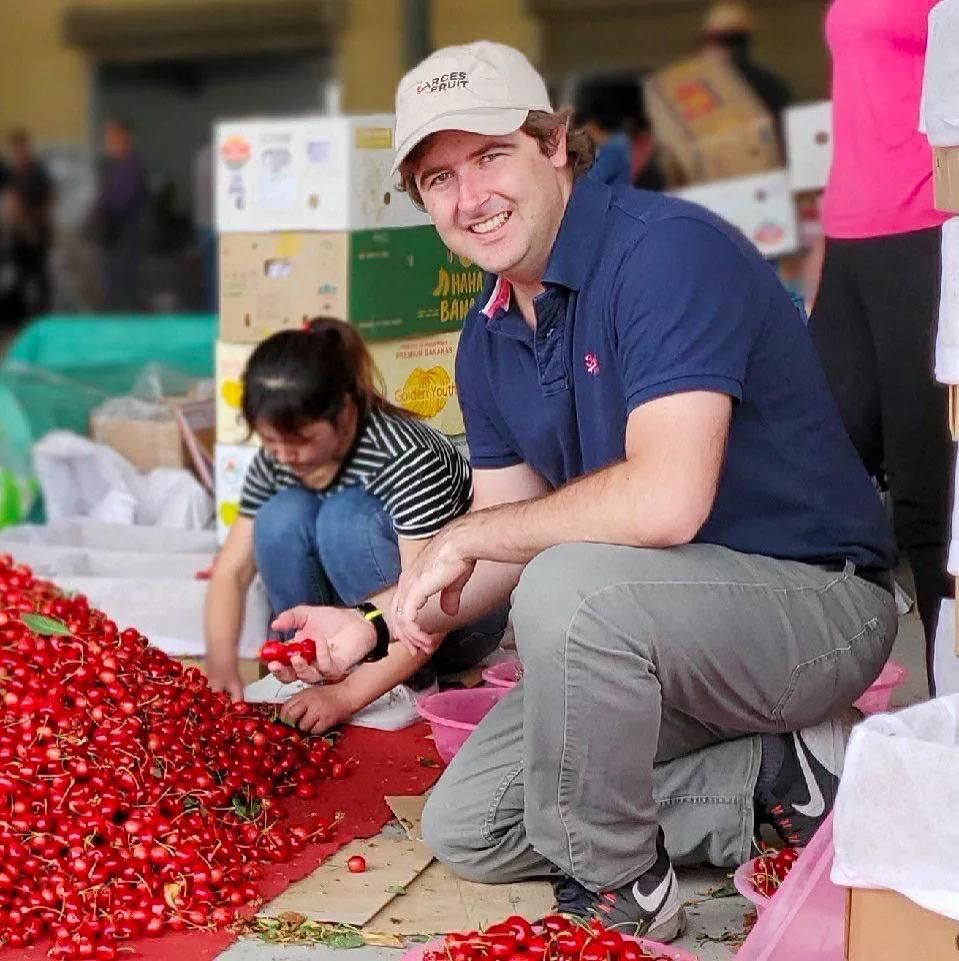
x: 481, y: 87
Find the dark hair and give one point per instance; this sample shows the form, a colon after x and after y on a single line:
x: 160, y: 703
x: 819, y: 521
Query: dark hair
x: 543, y: 127
x: 613, y: 101
x: 298, y: 377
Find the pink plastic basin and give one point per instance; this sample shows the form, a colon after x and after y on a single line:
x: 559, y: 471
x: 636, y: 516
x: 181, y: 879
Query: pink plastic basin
x: 454, y: 715
x: 654, y: 947
x: 503, y: 674
x: 877, y: 697
x: 743, y: 882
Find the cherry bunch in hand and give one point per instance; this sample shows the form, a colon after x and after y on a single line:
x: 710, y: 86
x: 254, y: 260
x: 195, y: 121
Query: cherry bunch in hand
x: 133, y: 799
x: 555, y: 938
x: 771, y: 869
x: 282, y: 651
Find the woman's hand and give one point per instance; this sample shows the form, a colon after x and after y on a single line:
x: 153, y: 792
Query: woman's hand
x: 318, y: 709
x: 223, y: 675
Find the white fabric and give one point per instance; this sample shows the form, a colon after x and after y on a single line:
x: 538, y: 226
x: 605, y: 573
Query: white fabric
x: 894, y: 822
x: 141, y: 576
x: 946, y: 663
x: 947, y: 336
x: 80, y: 478
x: 939, y: 108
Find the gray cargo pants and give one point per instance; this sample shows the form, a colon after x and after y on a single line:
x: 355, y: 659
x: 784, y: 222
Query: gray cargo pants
x: 649, y: 675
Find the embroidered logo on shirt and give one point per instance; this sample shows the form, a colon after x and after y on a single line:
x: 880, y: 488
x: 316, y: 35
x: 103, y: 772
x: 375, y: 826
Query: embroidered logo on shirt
x: 592, y: 364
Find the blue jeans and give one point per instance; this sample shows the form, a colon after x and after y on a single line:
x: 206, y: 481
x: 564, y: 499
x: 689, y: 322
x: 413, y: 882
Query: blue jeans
x: 339, y: 549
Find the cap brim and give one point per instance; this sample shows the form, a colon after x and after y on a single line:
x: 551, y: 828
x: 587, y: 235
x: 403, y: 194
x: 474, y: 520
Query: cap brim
x: 503, y: 120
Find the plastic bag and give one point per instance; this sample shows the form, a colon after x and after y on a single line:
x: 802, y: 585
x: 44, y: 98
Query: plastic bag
x: 894, y: 817
x: 806, y: 919
x: 939, y: 110
x: 82, y: 479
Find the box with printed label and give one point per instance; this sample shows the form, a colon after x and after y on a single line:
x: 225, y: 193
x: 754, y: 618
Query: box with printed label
x: 387, y: 283
x: 808, y: 131
x: 231, y: 360
x: 232, y: 461
x: 709, y: 124
x: 309, y: 173
x: 761, y: 206
x: 419, y: 375
x: 945, y: 168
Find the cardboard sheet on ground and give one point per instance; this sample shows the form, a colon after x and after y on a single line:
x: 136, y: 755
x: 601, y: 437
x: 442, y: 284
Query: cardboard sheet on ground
x: 437, y: 901
x: 331, y: 893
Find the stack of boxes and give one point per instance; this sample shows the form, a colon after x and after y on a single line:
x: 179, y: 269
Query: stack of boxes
x: 719, y: 148
x: 310, y: 224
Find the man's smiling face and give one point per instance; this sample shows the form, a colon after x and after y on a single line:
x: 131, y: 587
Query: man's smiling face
x: 496, y: 200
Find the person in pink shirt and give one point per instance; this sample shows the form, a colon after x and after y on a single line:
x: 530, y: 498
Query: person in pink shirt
x: 874, y: 319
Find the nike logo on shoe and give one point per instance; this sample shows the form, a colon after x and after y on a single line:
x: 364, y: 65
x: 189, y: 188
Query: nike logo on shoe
x: 657, y: 899
x: 816, y: 805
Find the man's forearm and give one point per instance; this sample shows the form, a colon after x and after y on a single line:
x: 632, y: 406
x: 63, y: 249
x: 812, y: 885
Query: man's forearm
x: 625, y: 503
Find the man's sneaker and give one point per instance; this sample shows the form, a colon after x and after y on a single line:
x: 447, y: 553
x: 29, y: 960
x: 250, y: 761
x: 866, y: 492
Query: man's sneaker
x: 647, y: 907
x: 797, y: 797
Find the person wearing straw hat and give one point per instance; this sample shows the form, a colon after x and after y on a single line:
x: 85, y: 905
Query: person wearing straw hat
x: 697, y: 560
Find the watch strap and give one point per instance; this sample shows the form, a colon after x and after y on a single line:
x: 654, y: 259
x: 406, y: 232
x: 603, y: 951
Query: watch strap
x: 375, y: 616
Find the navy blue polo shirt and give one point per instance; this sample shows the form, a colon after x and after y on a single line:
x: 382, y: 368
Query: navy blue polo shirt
x: 645, y: 296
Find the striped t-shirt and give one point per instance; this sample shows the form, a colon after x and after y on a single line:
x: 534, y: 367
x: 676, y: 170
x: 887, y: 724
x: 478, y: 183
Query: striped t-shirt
x: 421, y: 478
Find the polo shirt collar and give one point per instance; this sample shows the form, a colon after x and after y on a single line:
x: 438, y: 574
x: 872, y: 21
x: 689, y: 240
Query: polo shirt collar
x: 571, y: 258
x: 580, y: 235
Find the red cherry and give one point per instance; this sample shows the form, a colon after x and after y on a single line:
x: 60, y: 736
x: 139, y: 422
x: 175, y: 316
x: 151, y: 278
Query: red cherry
x: 356, y: 864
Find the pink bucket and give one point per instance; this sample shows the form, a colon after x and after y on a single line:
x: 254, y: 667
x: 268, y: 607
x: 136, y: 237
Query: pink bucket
x: 417, y: 952
x: 876, y: 699
x: 503, y: 674
x: 454, y: 715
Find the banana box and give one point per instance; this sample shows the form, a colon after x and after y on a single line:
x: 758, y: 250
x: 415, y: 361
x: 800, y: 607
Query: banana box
x: 388, y: 284
x: 231, y: 463
x: 419, y: 375
x: 309, y: 173
x: 231, y: 360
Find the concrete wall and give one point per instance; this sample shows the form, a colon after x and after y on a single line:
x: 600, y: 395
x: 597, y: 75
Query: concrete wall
x: 48, y: 87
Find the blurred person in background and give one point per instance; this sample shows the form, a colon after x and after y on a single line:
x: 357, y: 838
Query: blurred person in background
x: 609, y: 107
x: 728, y: 27
x: 119, y: 219
x: 13, y: 298
x: 30, y: 211
x: 874, y: 319
x: 203, y: 226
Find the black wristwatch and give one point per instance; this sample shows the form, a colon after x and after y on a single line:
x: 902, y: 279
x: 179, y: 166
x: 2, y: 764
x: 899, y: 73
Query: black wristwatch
x: 375, y: 616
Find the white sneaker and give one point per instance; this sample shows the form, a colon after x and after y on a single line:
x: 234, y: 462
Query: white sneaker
x: 394, y: 710
x: 270, y: 690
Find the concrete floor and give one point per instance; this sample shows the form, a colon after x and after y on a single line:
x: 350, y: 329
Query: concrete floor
x: 709, y: 919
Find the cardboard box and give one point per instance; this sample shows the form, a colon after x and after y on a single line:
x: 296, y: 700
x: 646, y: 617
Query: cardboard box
x: 157, y: 440
x: 761, y: 206
x: 945, y: 168
x: 232, y: 461
x: 808, y: 131
x: 230, y: 361
x: 309, y: 173
x: 419, y: 375
x: 709, y: 124
x: 387, y: 283
x: 886, y: 926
